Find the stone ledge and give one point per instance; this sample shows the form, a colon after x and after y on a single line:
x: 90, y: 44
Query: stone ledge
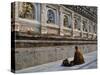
x: 38, y: 36
x: 45, y: 43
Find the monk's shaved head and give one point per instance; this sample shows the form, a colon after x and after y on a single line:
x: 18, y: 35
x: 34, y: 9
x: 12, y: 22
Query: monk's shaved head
x: 76, y: 47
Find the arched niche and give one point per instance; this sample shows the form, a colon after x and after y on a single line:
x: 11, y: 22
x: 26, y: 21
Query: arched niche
x: 50, y: 16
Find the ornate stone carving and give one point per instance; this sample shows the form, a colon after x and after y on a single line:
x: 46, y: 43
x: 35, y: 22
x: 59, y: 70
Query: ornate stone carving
x: 50, y: 16
x: 77, y: 22
x: 65, y: 21
x: 52, y: 31
x: 85, y: 25
x: 27, y: 11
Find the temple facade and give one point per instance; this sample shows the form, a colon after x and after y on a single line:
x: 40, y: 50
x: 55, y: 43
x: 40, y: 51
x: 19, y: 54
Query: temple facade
x: 43, y: 33
x: 53, y: 19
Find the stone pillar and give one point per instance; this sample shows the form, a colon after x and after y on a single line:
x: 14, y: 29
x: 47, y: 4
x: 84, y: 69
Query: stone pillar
x: 72, y: 24
x: 61, y: 22
x: 88, y: 28
x: 95, y: 28
x: 43, y: 19
x: 16, y: 9
x: 81, y: 27
x: 16, y: 16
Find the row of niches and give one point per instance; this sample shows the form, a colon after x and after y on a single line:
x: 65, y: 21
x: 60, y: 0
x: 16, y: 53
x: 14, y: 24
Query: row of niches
x: 28, y: 11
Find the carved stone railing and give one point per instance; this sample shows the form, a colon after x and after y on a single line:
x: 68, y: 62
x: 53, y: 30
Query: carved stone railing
x: 85, y: 35
x: 67, y: 32
x: 77, y: 34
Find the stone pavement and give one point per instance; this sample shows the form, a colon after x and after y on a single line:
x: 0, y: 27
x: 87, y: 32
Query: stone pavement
x: 90, y: 63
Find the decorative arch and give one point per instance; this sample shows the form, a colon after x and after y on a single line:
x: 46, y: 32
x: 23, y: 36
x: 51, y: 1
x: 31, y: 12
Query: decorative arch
x: 65, y: 21
x: 50, y: 16
x: 85, y: 25
x: 77, y: 22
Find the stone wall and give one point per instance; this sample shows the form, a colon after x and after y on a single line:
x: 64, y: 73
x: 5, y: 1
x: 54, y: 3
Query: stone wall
x: 28, y: 57
x: 54, y: 41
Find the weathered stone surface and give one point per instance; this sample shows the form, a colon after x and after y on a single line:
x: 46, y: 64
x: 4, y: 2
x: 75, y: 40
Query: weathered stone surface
x: 27, y: 57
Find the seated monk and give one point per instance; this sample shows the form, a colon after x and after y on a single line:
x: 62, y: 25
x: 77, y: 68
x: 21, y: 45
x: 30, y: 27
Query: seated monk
x: 78, y: 57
